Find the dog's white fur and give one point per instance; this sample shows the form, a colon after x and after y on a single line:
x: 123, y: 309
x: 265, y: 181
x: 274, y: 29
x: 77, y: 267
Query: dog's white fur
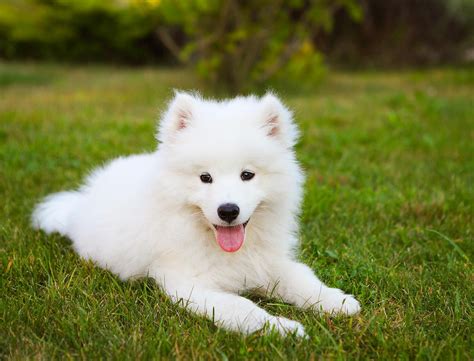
x: 150, y: 214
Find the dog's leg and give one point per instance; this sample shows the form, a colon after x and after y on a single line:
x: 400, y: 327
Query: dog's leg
x: 296, y: 283
x: 226, y: 310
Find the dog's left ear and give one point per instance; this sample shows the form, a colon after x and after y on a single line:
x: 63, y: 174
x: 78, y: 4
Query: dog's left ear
x: 278, y: 120
x: 177, y: 117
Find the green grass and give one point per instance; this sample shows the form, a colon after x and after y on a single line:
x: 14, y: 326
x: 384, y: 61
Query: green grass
x: 387, y: 216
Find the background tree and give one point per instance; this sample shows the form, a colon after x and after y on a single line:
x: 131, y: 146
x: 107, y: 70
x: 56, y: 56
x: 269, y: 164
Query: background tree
x: 244, y: 44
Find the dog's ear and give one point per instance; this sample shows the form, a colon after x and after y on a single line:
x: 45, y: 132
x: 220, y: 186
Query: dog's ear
x: 278, y: 120
x: 177, y: 117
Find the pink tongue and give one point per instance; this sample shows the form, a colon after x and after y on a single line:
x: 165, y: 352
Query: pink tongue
x: 230, y: 238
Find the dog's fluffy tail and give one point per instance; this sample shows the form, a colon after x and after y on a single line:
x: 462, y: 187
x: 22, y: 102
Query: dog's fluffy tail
x: 53, y: 213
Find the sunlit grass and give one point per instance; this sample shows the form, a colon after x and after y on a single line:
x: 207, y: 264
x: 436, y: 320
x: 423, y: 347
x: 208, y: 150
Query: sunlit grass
x: 387, y: 216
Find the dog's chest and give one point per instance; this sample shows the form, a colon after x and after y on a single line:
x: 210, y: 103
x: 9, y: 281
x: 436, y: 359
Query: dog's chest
x: 234, y: 272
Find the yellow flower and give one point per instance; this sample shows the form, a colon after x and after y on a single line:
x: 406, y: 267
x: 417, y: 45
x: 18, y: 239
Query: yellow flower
x: 149, y: 3
x: 153, y: 3
x: 306, y: 48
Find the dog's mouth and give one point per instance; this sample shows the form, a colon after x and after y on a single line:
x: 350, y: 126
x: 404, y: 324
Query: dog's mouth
x: 230, y: 238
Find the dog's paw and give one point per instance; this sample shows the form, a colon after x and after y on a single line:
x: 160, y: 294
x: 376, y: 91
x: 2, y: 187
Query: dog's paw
x: 286, y: 327
x: 335, y: 301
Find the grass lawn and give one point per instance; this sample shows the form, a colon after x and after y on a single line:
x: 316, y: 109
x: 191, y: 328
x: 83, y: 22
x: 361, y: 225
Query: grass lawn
x: 387, y: 216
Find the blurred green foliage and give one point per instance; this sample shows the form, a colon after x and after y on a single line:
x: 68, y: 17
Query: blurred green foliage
x: 81, y: 30
x: 234, y: 45
x: 243, y: 44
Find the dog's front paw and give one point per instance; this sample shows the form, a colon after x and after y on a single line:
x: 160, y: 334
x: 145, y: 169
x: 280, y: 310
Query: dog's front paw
x: 286, y: 327
x: 335, y: 301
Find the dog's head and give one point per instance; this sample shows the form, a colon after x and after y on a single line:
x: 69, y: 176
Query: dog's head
x: 232, y: 161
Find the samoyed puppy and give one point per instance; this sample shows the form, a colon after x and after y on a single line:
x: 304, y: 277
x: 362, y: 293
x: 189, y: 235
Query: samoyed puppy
x: 212, y: 213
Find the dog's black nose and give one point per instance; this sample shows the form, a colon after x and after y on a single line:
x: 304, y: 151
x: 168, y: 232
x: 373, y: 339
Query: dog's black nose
x: 228, y: 212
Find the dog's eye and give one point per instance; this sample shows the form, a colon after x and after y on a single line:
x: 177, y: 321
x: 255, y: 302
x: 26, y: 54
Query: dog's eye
x: 206, y: 178
x: 246, y: 175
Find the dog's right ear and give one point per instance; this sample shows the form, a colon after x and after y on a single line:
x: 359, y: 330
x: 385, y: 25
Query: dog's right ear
x: 177, y: 117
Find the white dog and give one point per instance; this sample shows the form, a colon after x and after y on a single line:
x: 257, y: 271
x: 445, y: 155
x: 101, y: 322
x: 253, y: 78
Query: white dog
x: 211, y: 213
